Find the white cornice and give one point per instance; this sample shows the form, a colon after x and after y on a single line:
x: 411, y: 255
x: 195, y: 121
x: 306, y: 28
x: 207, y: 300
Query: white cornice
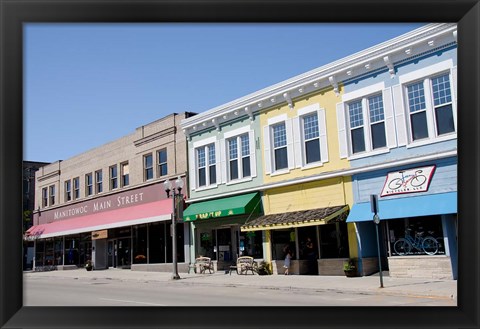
x: 333, y: 174
x: 426, y: 38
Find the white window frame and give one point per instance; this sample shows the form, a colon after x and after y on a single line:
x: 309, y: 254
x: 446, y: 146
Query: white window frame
x: 124, y: 173
x: 68, y: 190
x: 344, y: 126
x: 426, y: 75
x: 300, y: 141
x: 51, y: 196
x: 206, y: 144
x: 367, y: 124
x: 113, y: 178
x: 89, y: 185
x: 76, y: 188
x: 98, y: 181
x: 44, y: 197
x: 237, y: 133
x: 145, y: 168
x: 269, y: 145
x: 160, y: 164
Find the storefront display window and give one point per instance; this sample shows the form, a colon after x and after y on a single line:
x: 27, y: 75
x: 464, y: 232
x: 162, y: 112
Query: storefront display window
x: 412, y: 236
x: 71, y: 250
x: 85, y: 248
x: 207, y: 243
x: 251, y: 244
x: 334, y: 240
x: 158, y: 244
x: 49, y: 254
x: 307, y: 238
x: 58, y: 249
x: 39, y: 253
x: 140, y: 244
x: 280, y: 240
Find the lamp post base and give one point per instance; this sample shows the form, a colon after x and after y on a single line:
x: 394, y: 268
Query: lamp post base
x: 175, y: 277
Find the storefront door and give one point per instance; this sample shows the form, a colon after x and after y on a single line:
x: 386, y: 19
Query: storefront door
x: 112, y: 253
x: 118, y: 253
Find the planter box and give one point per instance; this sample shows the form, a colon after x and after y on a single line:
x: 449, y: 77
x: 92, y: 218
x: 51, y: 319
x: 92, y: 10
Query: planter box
x: 351, y: 273
x: 331, y: 266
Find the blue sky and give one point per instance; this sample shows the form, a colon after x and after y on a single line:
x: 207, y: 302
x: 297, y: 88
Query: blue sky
x: 88, y: 84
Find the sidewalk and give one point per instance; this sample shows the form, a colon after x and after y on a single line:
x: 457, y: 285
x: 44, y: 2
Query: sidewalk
x: 430, y: 288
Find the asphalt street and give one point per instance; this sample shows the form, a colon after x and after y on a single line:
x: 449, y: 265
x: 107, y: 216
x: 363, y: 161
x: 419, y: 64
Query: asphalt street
x: 126, y: 288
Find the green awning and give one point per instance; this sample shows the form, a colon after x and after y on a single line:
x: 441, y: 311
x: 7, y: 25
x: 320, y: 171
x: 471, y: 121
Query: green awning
x: 235, y: 205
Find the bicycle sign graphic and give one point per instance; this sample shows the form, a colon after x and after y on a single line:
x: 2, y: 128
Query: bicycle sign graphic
x: 408, y: 181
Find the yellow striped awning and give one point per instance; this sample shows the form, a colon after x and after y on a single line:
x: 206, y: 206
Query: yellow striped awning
x: 302, y: 218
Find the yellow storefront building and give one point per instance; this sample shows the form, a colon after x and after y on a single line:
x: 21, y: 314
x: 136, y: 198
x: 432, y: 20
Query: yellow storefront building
x: 306, y: 198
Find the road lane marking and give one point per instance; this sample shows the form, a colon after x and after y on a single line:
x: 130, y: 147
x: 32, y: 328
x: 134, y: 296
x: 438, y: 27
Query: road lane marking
x: 132, y: 301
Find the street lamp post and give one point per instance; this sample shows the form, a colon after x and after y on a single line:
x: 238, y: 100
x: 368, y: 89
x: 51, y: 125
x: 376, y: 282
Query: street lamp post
x: 168, y: 187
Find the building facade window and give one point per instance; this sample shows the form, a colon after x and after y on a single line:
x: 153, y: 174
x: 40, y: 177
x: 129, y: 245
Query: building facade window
x: 206, y: 165
x: 148, y: 166
x: 44, y: 197
x: 245, y: 154
x: 68, y: 190
x: 89, y: 184
x: 310, y: 147
x: 279, y: 136
x: 311, y: 137
x: 430, y: 108
x: 162, y: 162
x: 76, y: 188
x: 113, y: 177
x: 239, y: 157
x: 125, y: 174
x: 98, y: 181
x: 52, y: 195
x: 280, y: 156
x: 367, y: 124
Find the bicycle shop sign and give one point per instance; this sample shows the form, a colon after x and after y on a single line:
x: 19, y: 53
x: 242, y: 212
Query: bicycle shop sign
x: 408, y: 181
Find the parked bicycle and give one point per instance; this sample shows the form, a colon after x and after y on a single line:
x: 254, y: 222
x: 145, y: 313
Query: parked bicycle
x: 416, y: 180
x: 428, y: 244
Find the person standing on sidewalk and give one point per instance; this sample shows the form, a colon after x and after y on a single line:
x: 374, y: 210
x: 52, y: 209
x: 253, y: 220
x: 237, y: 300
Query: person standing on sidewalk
x: 311, y: 257
x: 288, y: 258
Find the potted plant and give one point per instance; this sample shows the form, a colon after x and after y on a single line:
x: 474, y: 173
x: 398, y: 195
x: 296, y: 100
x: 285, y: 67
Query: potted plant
x: 350, y: 267
x: 89, y: 265
x: 263, y: 268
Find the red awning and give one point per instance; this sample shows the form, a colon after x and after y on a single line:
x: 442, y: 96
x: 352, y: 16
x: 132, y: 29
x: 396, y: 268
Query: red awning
x: 135, y: 215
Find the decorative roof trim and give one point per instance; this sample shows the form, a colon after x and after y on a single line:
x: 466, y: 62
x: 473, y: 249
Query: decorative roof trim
x: 396, y: 49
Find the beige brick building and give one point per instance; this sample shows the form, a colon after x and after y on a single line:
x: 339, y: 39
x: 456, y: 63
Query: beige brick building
x: 108, y: 204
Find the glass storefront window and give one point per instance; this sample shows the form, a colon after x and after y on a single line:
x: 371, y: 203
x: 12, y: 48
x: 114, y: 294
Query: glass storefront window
x: 334, y: 240
x: 207, y: 243
x: 49, y: 253
x: 71, y: 250
x: 415, y: 230
x: 39, y: 252
x: 140, y: 244
x: 280, y: 240
x: 251, y: 244
x: 85, y: 248
x: 58, y: 249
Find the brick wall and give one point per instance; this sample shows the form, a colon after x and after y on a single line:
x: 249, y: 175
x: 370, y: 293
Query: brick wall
x: 428, y: 267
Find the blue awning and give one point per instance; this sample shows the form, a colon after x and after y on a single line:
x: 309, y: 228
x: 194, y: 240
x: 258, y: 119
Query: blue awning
x: 425, y: 205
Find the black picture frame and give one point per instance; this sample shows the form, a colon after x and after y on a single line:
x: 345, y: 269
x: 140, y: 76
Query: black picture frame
x: 14, y: 13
